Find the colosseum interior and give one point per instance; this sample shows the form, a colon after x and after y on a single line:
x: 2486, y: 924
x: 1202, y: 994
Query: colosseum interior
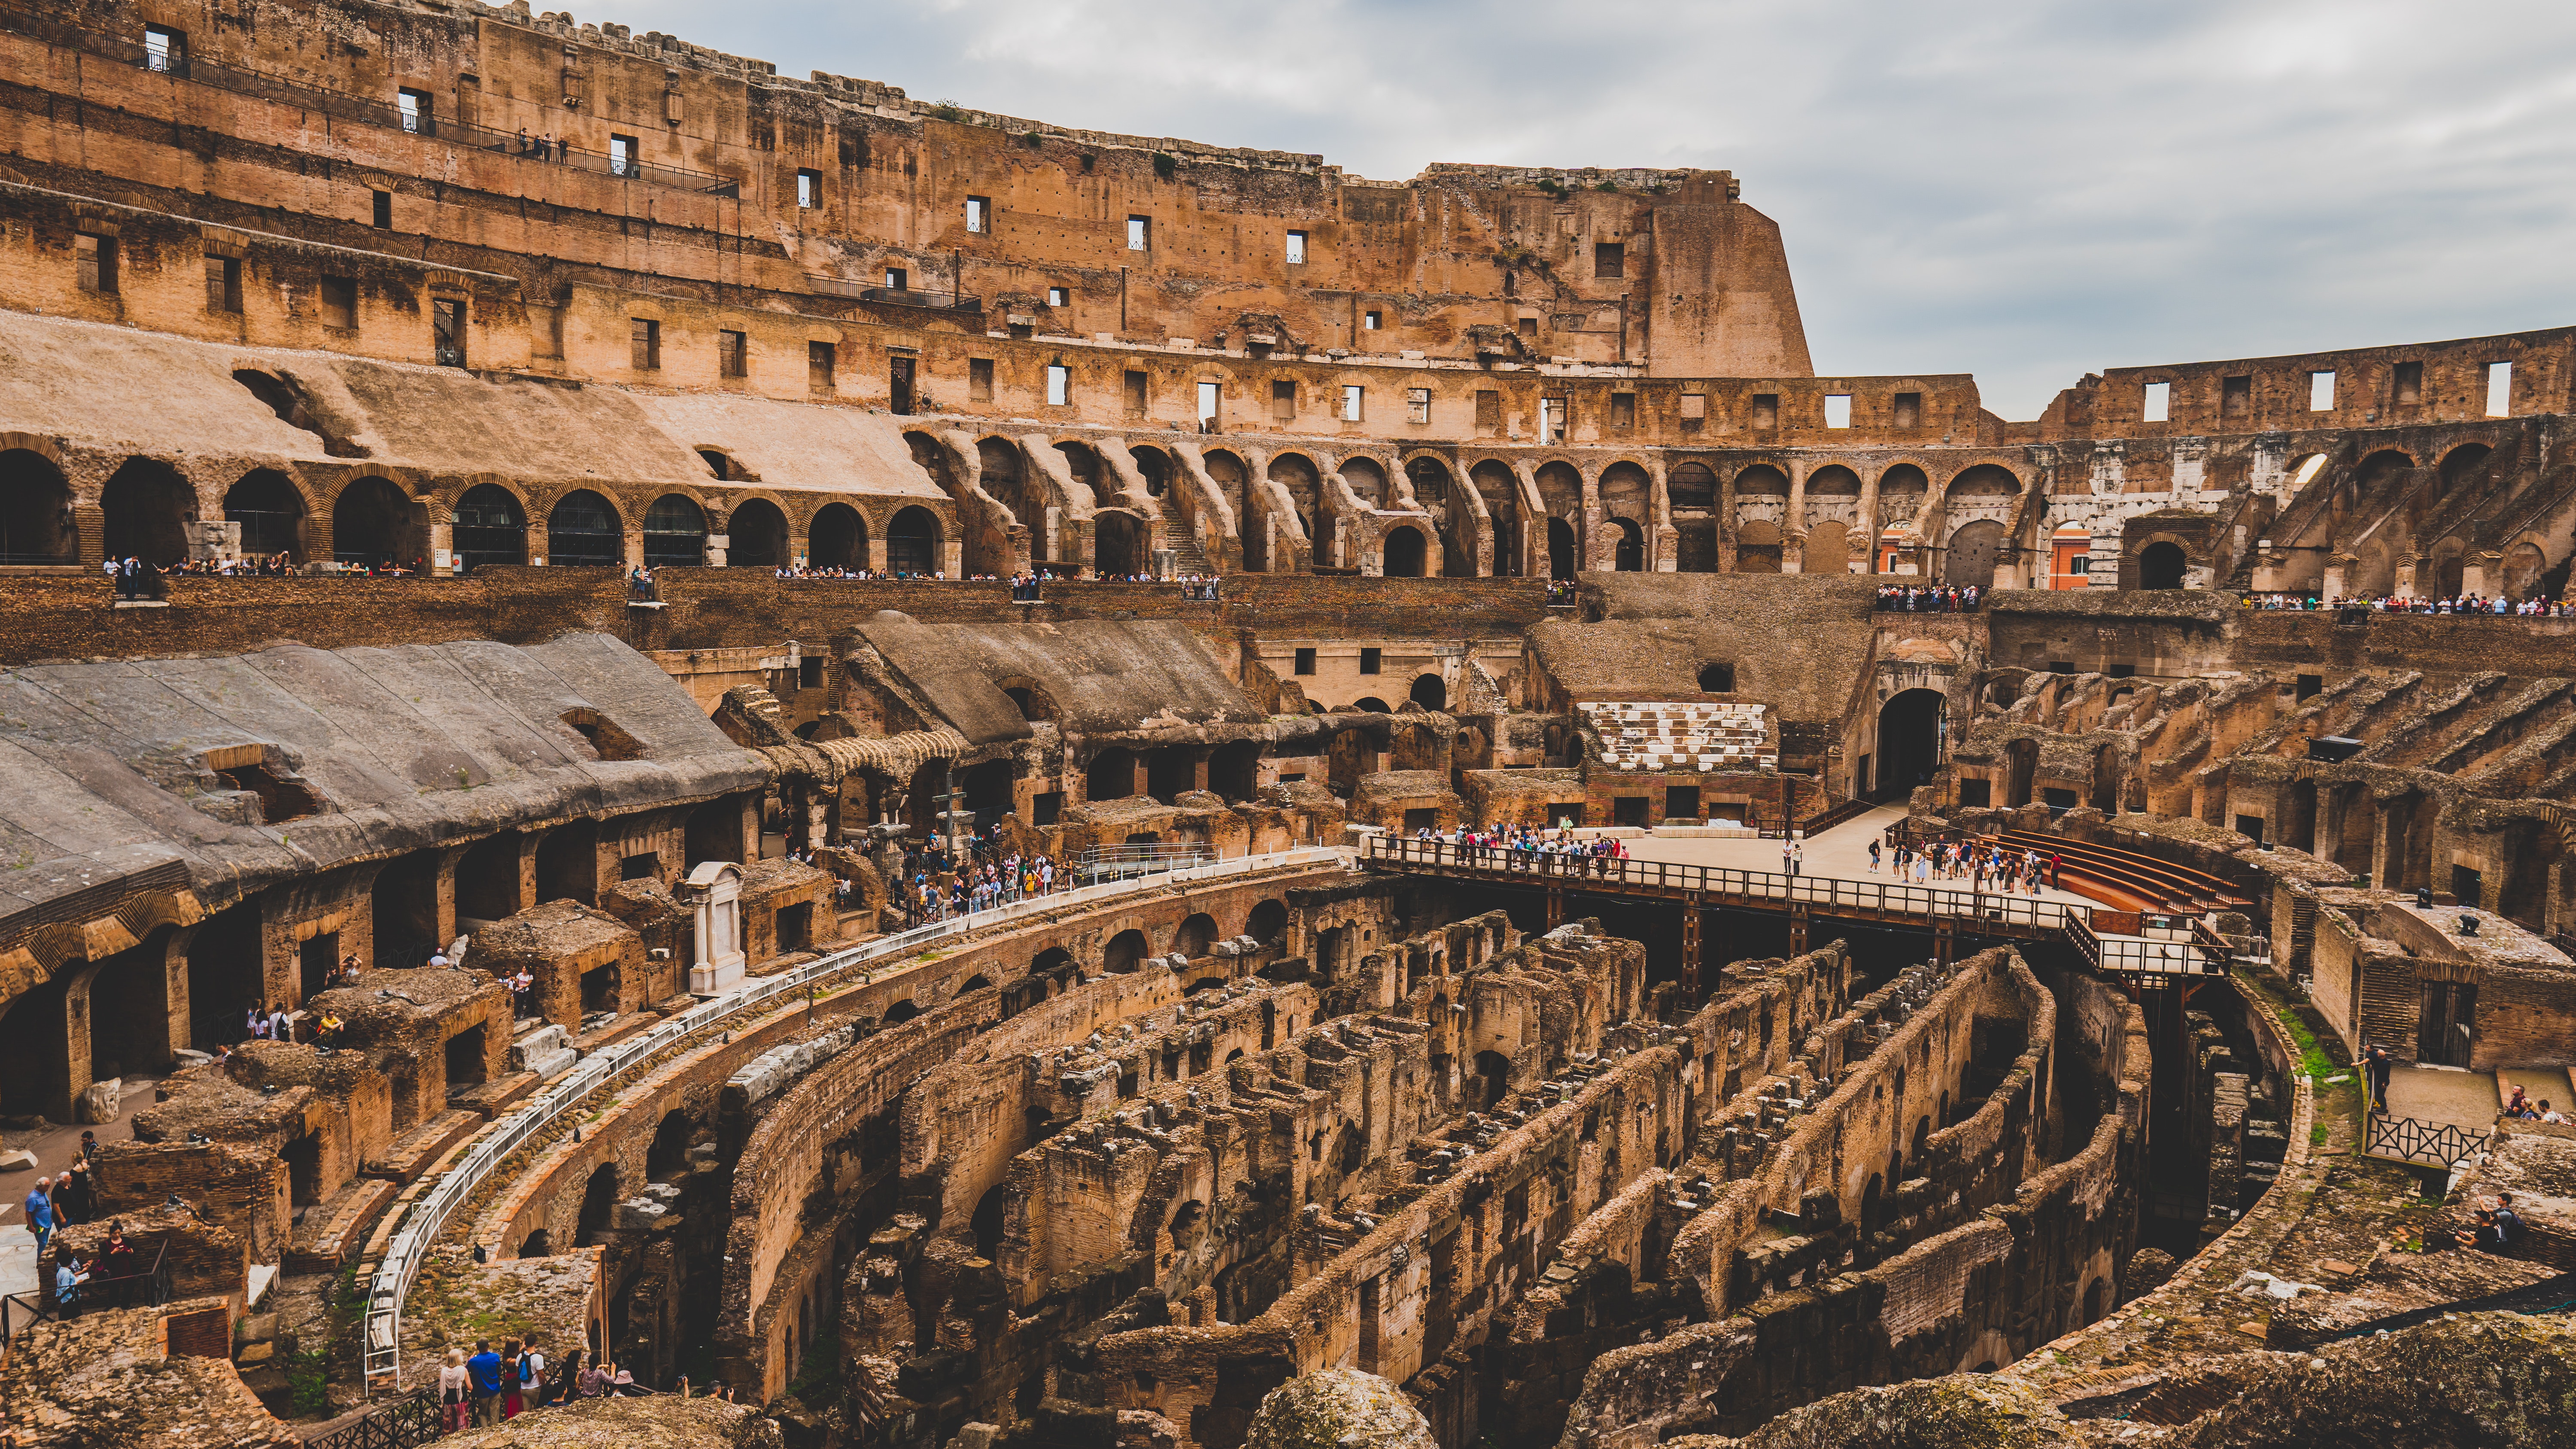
x: 896, y: 777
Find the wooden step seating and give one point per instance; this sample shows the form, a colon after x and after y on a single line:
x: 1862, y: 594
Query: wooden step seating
x: 2125, y: 879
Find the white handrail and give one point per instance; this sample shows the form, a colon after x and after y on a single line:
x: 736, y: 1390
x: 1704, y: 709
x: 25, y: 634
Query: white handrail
x: 427, y: 1219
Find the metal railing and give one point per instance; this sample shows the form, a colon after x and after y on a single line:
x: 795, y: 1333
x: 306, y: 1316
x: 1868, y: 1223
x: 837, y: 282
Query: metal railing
x: 427, y: 1219
x: 2164, y: 945
x: 404, y: 1423
x: 2409, y: 1139
x: 1123, y: 862
x: 1832, y: 895
x: 340, y: 105
x: 145, y: 1287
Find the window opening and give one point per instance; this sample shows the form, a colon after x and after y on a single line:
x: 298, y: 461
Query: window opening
x: 2159, y: 402
x: 447, y: 316
x: 1371, y: 321
x: 731, y: 354
x: 97, y: 257
x: 1296, y: 248
x: 1059, y: 384
x: 2321, y: 392
x: 223, y: 284
x: 384, y: 213
x: 1369, y: 661
x: 979, y: 214
x: 979, y: 379
x: 1353, y: 398
x: 1305, y: 661
x: 165, y: 50
x: 414, y: 106
x: 1059, y: 297
x: 1838, y: 410
x: 1417, y: 404
x: 819, y: 359
x: 621, y: 156
x: 2499, y: 389
x: 1140, y: 233
x: 809, y: 189
x: 646, y: 342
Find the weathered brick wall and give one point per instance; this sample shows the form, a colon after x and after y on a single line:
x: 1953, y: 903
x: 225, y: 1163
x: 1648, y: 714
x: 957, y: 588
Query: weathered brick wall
x: 239, y: 1187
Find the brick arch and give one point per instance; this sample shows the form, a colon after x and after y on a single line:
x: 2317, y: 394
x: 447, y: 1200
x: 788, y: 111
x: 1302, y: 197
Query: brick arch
x: 38, y: 443
x: 2021, y: 484
x: 541, y: 506
x: 735, y: 498
x: 448, y: 490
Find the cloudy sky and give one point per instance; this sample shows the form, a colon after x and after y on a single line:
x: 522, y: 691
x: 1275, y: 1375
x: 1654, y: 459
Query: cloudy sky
x: 2023, y: 191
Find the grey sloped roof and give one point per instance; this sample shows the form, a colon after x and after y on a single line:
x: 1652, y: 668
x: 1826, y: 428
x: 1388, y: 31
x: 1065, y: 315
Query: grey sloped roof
x: 407, y: 746
x: 1104, y: 676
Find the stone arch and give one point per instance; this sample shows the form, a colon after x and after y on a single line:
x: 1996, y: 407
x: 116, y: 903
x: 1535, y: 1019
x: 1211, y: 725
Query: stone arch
x: 1154, y: 466
x: 837, y: 538
x: 1982, y: 480
x: 1976, y: 548
x: 1124, y: 952
x: 1910, y: 731
x: 1404, y: 552
x: 756, y: 534
x: 371, y: 523
x: 913, y: 537
x: 1627, y: 491
x: 675, y: 532
x: 1195, y: 936
x: 1627, y: 546
x: 583, y: 529
x: 1901, y: 491
x: 1266, y: 920
x: 2462, y: 461
x: 144, y: 507
x: 1499, y: 487
x: 1562, y: 558
x: 1560, y: 488
x: 271, y: 511
x: 2161, y: 565
x: 2524, y: 569
x: 1366, y: 478
x: 1429, y: 691
x: 489, y: 526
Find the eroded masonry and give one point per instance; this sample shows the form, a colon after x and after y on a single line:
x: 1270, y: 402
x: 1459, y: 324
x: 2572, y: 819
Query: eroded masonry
x: 1004, y: 786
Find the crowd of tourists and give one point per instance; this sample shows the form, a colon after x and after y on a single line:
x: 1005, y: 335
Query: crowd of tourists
x: 2407, y: 604
x: 1929, y: 599
x: 115, y: 1275
x: 491, y: 1386
x: 1525, y: 847
x: 1984, y: 865
x: 938, y: 886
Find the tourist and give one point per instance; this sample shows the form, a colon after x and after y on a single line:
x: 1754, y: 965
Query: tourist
x: 485, y: 1366
x: 625, y: 1387
x: 40, y: 1212
x: 452, y: 1378
x: 1873, y: 855
x: 69, y: 1274
x: 119, y: 1260
x: 2482, y: 1234
x: 277, y: 1027
x: 71, y: 1196
x: 532, y: 1376
x: 1797, y: 858
x: 2508, y: 1223
x: 2549, y: 1113
x: 595, y: 1379
x: 2377, y: 1068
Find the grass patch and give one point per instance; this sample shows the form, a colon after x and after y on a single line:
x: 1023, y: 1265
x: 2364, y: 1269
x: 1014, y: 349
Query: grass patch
x: 304, y: 1379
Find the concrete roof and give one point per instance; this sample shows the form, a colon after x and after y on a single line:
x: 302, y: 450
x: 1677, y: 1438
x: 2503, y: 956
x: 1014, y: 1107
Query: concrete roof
x: 123, y: 390
x: 1104, y: 676
x: 407, y: 747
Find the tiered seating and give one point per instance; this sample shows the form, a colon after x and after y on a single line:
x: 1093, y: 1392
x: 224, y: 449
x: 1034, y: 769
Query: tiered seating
x: 2126, y: 880
x: 1693, y: 737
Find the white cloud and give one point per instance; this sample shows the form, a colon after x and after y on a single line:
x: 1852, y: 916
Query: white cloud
x: 2021, y: 190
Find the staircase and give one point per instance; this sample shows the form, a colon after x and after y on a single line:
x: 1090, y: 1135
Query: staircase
x: 1187, y: 556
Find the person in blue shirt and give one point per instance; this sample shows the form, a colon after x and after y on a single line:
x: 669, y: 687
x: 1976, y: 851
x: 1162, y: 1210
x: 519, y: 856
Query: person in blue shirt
x: 485, y: 1367
x: 40, y: 1213
x: 68, y: 1276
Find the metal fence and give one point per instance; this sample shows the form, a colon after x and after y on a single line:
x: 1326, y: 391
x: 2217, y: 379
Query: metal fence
x: 1831, y: 895
x: 427, y: 1219
x: 2444, y: 1144
x: 403, y: 1423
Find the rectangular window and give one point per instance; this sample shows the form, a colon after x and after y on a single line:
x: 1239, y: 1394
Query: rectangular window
x: 1694, y: 411
x: 97, y: 258
x: 979, y: 214
x: 2321, y: 392
x: 1552, y: 418
x: 621, y: 156
x: 1296, y: 249
x: 1283, y: 401
x: 809, y: 671
x: 1352, y: 400
x: 1417, y: 404
x: 1623, y: 410
x: 2410, y: 382
x: 1974, y: 794
x: 1766, y: 410
x: 2311, y: 684
x: 1368, y: 661
x: 339, y: 302
x: 731, y: 360
x: 414, y: 106
x: 1529, y: 326
x: 1681, y: 802
x: 1059, y: 384
x: 1609, y: 260
x: 447, y: 319
x: 645, y: 344
x: 1489, y: 411
x: 1907, y: 411
x: 809, y: 189
x: 2235, y: 396
x: 820, y: 359
x: 2159, y: 402
x: 223, y: 284
x: 979, y: 379
x: 165, y: 50
x: 1305, y: 661
x: 1140, y: 233
x: 1209, y: 392
x: 897, y: 279
x: 1371, y: 321
x: 1135, y: 393
x: 384, y: 211
x: 1838, y: 410
x: 2120, y: 671
x: 2499, y: 389
x: 1059, y: 296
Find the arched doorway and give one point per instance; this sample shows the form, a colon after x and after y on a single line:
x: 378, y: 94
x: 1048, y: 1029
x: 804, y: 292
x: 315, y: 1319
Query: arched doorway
x: 2160, y: 566
x: 2524, y: 567
x: 1267, y: 920
x: 756, y: 535
x: 369, y: 524
x: 489, y: 528
x: 838, y: 538
x: 912, y: 543
x: 1910, y: 731
x: 270, y: 512
x: 675, y: 533
x: 1560, y: 549
x: 1404, y: 550
x: 2021, y: 769
x: 1430, y: 691
x: 145, y: 503
x: 583, y: 532
x: 2450, y: 576
x: 1118, y: 544
x: 35, y: 510
x: 1123, y: 952
x: 1974, y: 551
x: 1628, y: 554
